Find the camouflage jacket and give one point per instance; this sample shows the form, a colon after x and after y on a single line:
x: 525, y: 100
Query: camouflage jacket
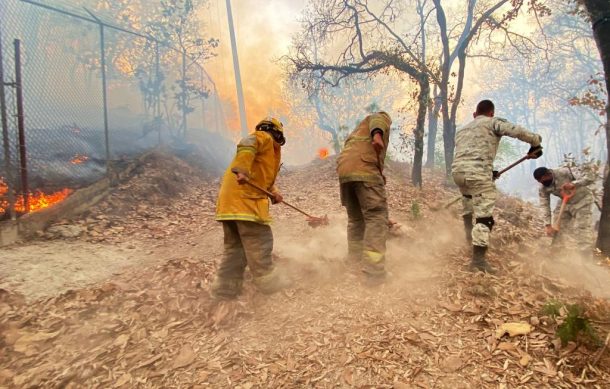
x: 358, y: 160
x: 582, y: 196
x: 476, y: 144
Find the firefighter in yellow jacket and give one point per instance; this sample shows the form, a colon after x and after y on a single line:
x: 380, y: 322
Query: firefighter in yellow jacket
x: 244, y: 212
x: 362, y: 184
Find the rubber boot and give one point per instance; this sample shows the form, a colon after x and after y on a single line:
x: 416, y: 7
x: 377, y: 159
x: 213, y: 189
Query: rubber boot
x: 479, y: 263
x: 468, y: 227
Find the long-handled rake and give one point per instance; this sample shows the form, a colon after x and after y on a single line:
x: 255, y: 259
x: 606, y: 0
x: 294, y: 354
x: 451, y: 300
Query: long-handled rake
x: 313, y: 221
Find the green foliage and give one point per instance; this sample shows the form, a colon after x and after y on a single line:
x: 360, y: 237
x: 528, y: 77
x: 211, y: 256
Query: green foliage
x: 552, y: 308
x: 415, y: 210
x: 574, y: 323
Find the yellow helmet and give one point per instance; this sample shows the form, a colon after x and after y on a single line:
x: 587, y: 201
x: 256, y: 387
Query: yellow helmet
x: 274, y: 127
x: 271, y: 121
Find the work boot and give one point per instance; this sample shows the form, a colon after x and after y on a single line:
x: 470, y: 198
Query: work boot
x: 272, y: 282
x: 479, y: 263
x: 374, y: 278
x: 468, y: 227
x: 226, y: 289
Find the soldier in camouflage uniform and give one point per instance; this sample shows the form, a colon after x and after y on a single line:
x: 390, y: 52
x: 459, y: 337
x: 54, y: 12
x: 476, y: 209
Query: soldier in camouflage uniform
x: 476, y: 145
x: 576, y: 220
x: 362, y: 185
x: 244, y: 212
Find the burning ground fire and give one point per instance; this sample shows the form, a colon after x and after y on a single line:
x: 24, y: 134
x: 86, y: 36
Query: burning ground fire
x: 78, y: 159
x: 37, y: 200
x: 323, y: 153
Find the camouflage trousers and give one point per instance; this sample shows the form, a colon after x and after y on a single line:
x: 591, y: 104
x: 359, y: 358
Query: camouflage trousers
x: 575, y: 225
x: 367, y: 224
x: 479, y: 199
x: 245, y: 244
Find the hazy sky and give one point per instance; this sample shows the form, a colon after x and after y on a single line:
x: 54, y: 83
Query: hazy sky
x: 263, y: 31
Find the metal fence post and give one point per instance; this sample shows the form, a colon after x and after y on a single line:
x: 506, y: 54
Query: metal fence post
x: 21, y: 126
x: 104, y: 96
x: 6, y: 139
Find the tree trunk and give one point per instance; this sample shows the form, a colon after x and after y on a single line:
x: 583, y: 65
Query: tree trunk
x: 599, y: 10
x: 424, y: 97
x: 448, y: 134
x: 432, y: 129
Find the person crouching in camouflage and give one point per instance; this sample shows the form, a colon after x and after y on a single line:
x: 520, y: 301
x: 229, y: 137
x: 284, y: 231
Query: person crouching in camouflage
x: 576, y: 219
x: 362, y: 186
x: 476, y: 145
x: 244, y: 212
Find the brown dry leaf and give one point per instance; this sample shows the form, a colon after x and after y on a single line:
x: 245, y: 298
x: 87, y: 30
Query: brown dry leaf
x: 348, y: 376
x: 121, y: 340
x: 505, y: 346
x: 28, y: 342
x: 452, y: 363
x: 513, y: 329
x: 149, y: 361
x: 185, y: 357
x: 220, y: 312
x: 124, y: 379
x: 525, y: 360
x: 451, y: 307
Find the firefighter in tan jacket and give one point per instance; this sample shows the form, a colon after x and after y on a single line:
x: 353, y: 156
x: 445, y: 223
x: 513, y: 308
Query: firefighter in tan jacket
x: 576, y: 219
x: 362, y: 184
x: 244, y: 212
x: 476, y: 145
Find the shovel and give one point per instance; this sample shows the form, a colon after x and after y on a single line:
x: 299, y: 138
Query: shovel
x: 313, y: 221
x: 566, y: 195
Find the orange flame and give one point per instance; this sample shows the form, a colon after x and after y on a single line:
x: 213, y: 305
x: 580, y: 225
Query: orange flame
x: 37, y: 200
x: 3, y: 187
x: 78, y: 159
x: 323, y: 153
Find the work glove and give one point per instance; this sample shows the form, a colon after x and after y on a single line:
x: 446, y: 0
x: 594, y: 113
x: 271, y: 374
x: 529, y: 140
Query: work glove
x: 242, y: 178
x: 377, y: 143
x: 495, y: 175
x: 549, y: 230
x: 568, y: 187
x: 535, y: 152
x: 277, y: 198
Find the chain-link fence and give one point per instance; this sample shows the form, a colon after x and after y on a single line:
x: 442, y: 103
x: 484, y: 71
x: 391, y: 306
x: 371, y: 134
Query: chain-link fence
x: 93, y: 93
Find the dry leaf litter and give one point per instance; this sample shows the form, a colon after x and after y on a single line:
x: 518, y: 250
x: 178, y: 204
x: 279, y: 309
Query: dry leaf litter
x: 430, y: 325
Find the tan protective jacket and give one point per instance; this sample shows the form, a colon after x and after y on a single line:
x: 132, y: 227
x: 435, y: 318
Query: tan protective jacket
x: 258, y: 156
x: 476, y: 145
x: 358, y: 160
x: 582, y: 197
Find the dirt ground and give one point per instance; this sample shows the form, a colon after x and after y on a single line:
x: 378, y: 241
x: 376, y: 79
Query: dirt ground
x: 126, y: 303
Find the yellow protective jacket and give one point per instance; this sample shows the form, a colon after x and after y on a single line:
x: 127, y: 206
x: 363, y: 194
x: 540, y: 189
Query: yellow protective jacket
x: 258, y: 156
x: 358, y: 160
